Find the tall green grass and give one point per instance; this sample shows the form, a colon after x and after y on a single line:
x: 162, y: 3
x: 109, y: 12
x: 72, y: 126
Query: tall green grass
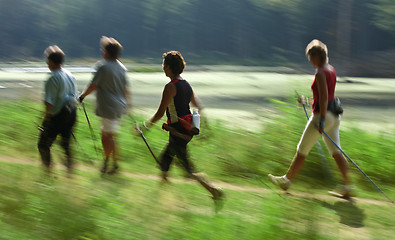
x: 87, y: 206
x: 224, y: 154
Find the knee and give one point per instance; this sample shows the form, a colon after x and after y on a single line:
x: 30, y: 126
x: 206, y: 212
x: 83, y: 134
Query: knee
x: 301, y: 155
x: 302, y: 150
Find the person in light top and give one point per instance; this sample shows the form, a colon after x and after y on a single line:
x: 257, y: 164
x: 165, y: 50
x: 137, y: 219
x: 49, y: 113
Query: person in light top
x: 60, y: 100
x: 112, y: 98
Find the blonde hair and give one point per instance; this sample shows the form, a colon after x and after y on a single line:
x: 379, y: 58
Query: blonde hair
x: 317, y: 48
x: 111, y: 46
x: 55, y: 54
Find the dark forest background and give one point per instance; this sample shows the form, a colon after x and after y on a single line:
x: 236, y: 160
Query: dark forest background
x: 360, y: 34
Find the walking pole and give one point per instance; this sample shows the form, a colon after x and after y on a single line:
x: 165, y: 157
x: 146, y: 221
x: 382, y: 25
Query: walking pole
x: 80, y: 148
x: 146, y: 143
x: 145, y: 140
x: 91, y: 130
x: 337, y: 146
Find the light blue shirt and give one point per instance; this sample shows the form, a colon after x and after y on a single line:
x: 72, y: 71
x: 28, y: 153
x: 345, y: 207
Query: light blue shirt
x: 60, y: 89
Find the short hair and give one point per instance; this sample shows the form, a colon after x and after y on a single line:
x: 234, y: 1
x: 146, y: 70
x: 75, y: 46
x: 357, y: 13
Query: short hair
x: 111, y: 46
x: 55, y: 54
x: 175, y: 61
x: 317, y: 48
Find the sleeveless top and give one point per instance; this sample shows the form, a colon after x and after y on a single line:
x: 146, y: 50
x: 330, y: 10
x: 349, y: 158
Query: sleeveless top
x: 179, y: 106
x: 330, y: 76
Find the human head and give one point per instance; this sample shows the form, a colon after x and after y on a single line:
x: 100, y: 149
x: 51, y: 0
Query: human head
x: 111, y: 47
x: 317, y: 53
x: 174, y: 61
x: 54, y: 55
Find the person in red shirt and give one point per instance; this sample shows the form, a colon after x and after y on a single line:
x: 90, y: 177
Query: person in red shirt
x: 323, y: 118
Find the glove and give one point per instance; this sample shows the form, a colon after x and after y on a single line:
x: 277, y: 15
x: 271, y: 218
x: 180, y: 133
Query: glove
x: 80, y: 99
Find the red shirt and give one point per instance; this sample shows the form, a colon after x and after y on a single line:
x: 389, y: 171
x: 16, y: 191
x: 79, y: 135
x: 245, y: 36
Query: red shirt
x: 330, y: 76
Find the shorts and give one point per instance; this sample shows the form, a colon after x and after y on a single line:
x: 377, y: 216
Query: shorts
x: 311, y: 134
x: 110, y: 125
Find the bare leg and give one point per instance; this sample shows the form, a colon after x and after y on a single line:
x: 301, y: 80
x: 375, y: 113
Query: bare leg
x: 115, y: 151
x: 205, y: 183
x: 165, y: 176
x: 343, y: 167
x: 108, y: 143
x: 296, y: 165
x: 218, y: 194
x: 107, y: 140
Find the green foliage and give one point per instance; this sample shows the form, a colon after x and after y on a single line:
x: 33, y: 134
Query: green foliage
x: 222, y: 153
x: 206, y: 31
x: 87, y: 206
x: 384, y: 17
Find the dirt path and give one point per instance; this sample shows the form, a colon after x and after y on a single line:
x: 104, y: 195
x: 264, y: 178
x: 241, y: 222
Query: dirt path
x: 224, y: 185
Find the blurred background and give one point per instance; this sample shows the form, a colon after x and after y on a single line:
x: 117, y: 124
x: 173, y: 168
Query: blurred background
x: 245, y: 59
x: 360, y: 34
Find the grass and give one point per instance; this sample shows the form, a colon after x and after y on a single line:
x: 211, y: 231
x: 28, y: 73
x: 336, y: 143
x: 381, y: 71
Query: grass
x: 88, y: 206
x: 247, y: 136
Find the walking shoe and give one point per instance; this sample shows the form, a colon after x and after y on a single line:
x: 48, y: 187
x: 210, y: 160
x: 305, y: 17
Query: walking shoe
x: 343, y: 191
x: 105, y: 166
x: 282, y: 181
x: 218, y: 197
x: 114, y: 169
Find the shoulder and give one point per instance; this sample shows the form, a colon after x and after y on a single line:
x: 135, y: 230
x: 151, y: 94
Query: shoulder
x: 67, y: 73
x: 170, y: 89
x: 170, y: 86
x: 320, y: 74
x: 120, y: 64
x: 186, y: 82
x: 331, y: 68
x: 55, y: 76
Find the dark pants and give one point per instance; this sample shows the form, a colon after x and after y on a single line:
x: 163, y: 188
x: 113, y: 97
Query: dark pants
x: 62, y: 124
x: 176, y: 147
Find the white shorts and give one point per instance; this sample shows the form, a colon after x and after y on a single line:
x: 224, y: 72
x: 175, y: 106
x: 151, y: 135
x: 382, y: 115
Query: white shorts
x: 311, y: 134
x: 110, y: 125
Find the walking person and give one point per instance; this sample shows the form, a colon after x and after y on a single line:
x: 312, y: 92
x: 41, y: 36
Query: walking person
x: 324, y: 118
x: 176, y: 97
x: 60, y: 99
x: 112, y: 98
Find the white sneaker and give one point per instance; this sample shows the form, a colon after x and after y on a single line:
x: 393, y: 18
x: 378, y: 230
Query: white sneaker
x: 343, y: 191
x: 282, y: 181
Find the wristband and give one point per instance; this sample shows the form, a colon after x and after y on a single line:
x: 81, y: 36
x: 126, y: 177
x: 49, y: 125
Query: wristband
x: 322, y: 123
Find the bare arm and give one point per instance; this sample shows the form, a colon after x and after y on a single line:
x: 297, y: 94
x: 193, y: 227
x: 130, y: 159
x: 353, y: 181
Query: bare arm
x: 168, y: 93
x: 91, y: 87
x: 196, y: 102
x: 323, y: 95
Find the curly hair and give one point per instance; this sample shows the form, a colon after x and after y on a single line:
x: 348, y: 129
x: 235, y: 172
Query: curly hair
x: 55, y: 54
x: 317, y: 48
x: 175, y: 61
x: 111, y: 46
